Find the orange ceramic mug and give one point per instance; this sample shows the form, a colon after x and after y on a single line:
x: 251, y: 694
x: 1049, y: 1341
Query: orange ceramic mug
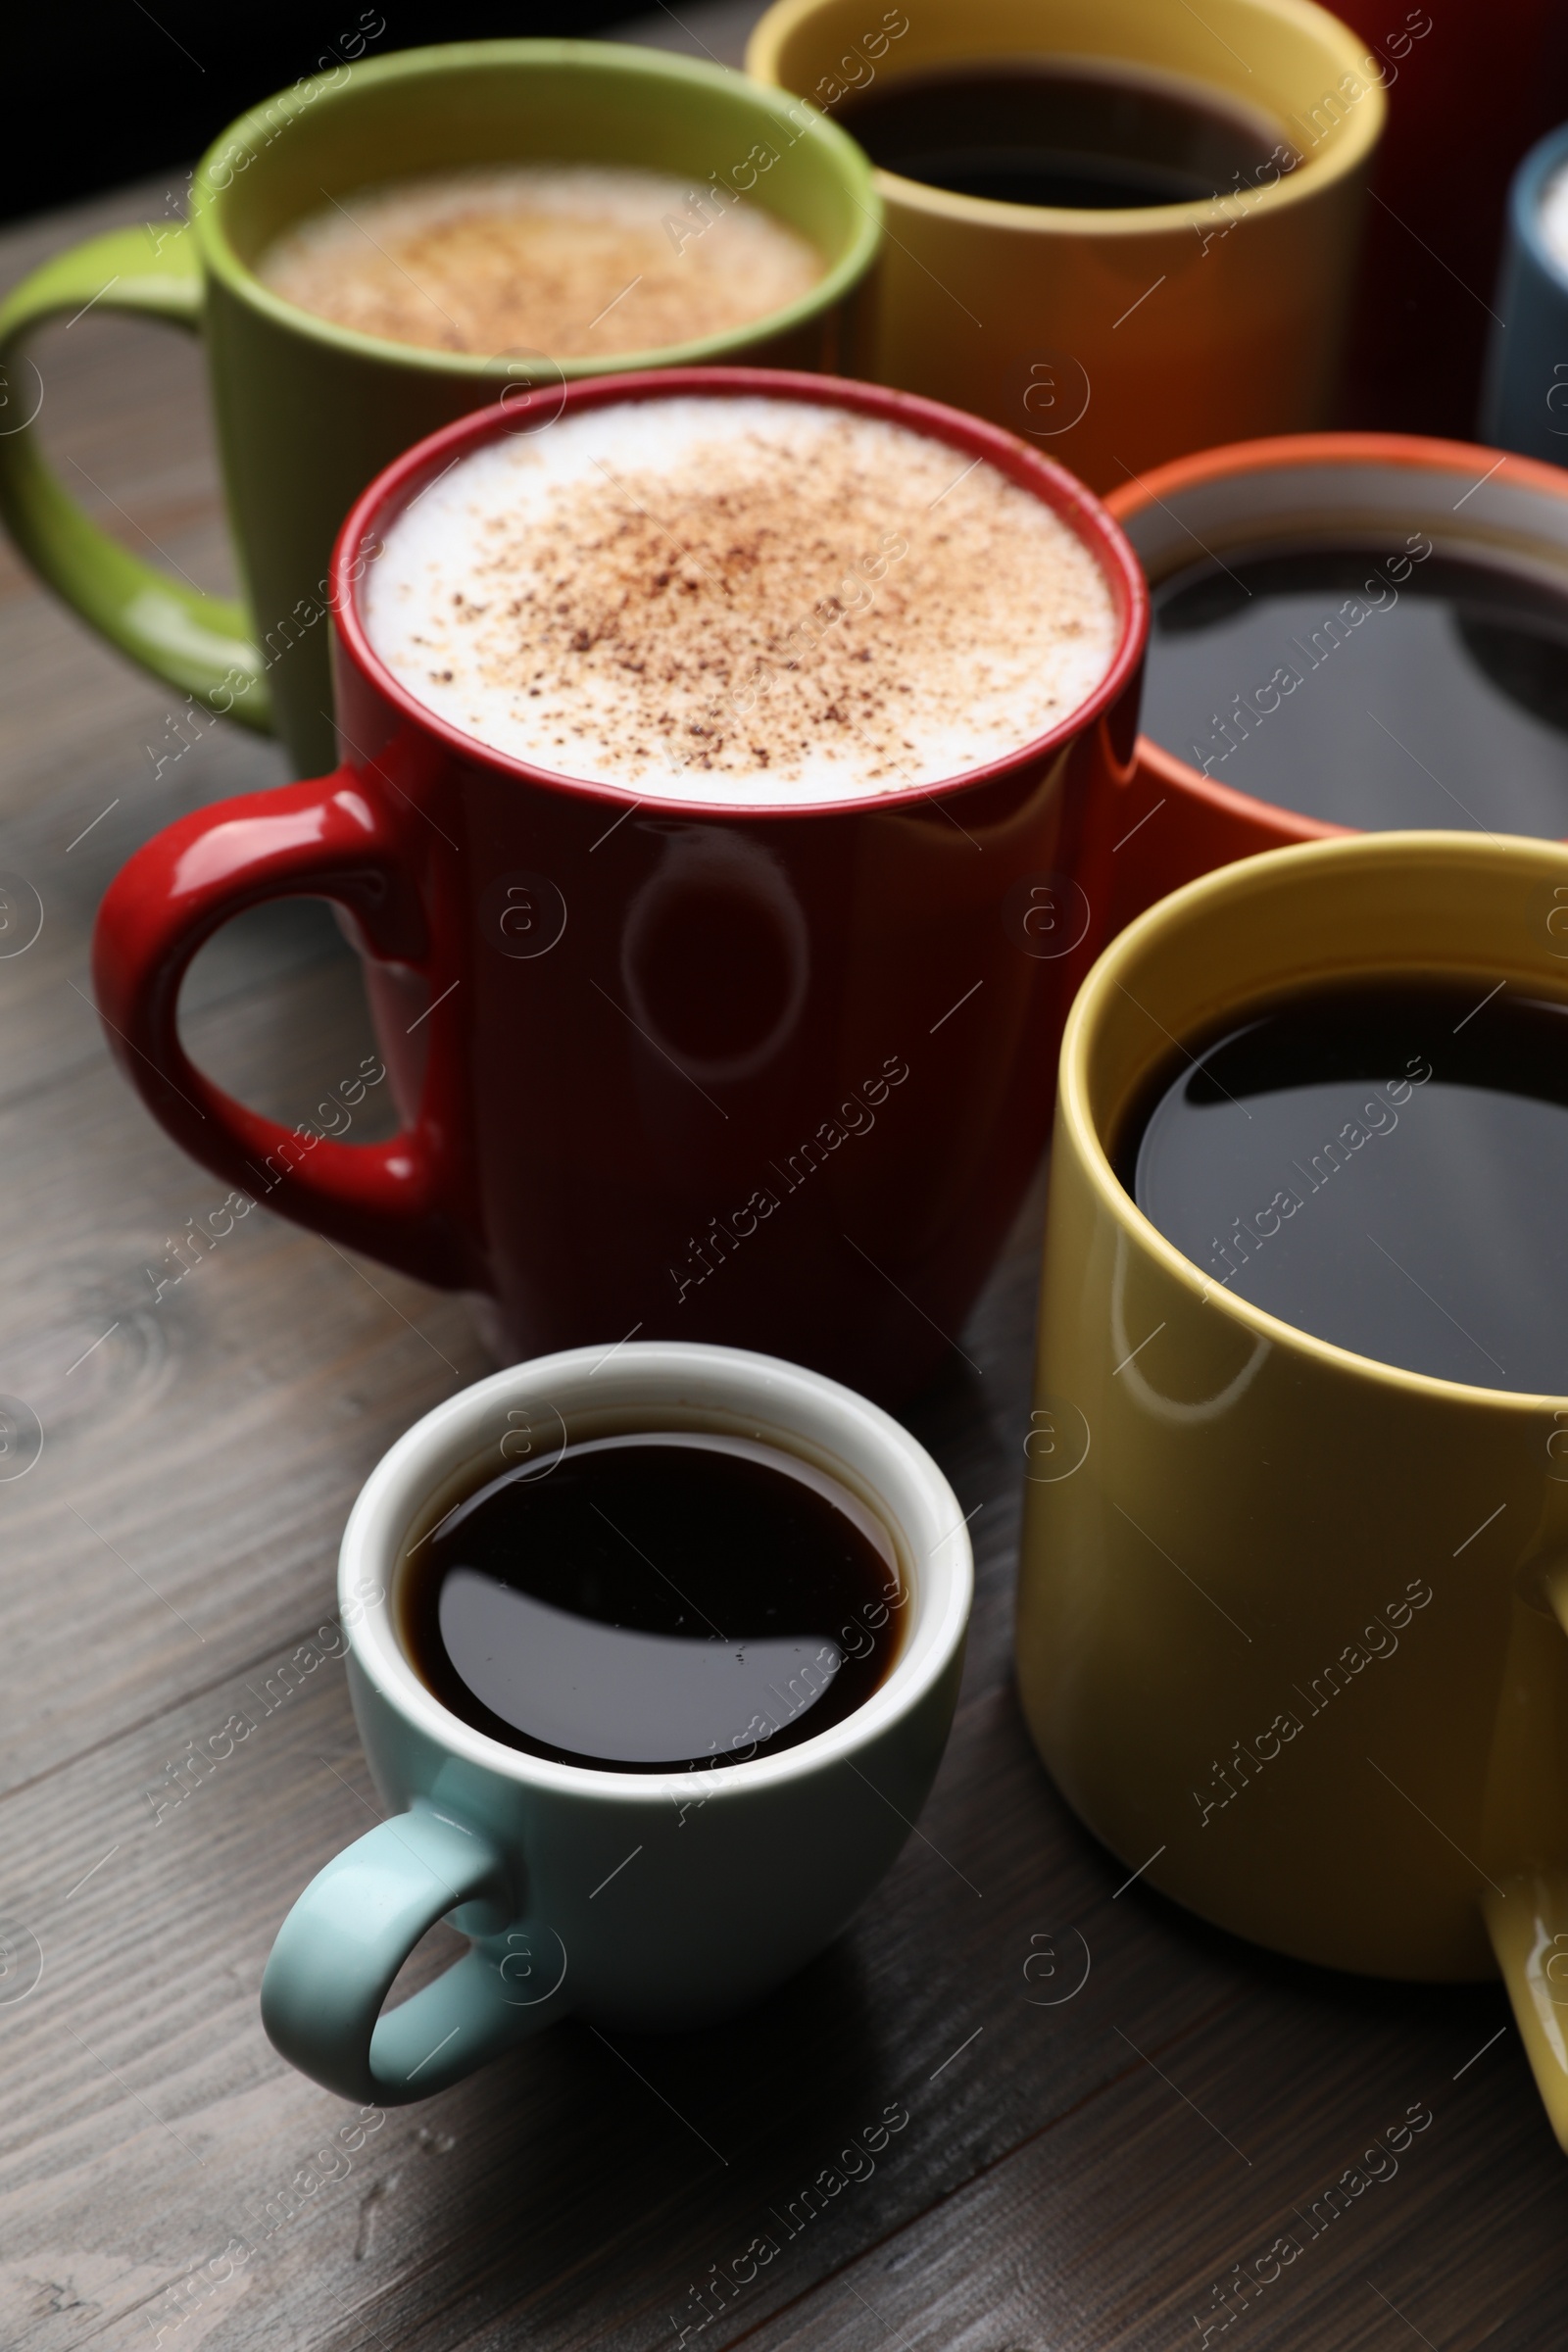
x: 1383, y: 623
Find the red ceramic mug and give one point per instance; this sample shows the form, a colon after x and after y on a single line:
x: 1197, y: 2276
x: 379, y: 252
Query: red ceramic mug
x: 1470, y: 89
x: 1365, y: 491
x: 770, y: 1076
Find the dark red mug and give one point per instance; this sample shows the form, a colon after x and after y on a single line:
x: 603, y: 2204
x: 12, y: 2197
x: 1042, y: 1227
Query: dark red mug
x: 774, y: 1077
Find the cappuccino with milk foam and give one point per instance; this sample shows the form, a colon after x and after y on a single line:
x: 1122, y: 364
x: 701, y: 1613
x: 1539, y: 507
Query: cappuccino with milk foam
x: 739, y: 599
x: 581, y: 261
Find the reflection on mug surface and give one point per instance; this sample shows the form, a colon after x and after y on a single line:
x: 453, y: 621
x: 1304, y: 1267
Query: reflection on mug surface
x: 1351, y: 631
x: 1404, y: 688
x: 1382, y: 1163
x: 1066, y: 133
x: 1291, y: 1638
x: 715, y: 956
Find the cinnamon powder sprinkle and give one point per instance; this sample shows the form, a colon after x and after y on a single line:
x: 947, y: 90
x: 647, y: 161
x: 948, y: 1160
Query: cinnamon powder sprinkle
x: 811, y: 599
x: 579, y: 260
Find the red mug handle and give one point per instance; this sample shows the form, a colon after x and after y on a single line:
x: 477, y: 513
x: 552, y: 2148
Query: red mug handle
x: 328, y: 839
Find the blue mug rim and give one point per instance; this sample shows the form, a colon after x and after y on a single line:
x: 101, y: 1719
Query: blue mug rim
x: 1530, y: 181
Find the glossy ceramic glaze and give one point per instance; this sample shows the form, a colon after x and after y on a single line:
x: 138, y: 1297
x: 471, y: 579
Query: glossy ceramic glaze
x: 1525, y: 403
x: 1340, y: 490
x: 1292, y: 1622
x: 1117, y: 339
x: 574, y: 1149
x: 643, y: 1901
x: 1439, y: 197
x: 308, y: 412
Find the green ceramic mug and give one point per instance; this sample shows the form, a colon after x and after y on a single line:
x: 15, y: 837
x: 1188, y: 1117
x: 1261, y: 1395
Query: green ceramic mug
x: 308, y: 412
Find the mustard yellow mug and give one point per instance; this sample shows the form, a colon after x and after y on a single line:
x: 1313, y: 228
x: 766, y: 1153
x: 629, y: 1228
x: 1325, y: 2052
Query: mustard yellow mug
x: 1291, y: 1623
x: 1115, y: 335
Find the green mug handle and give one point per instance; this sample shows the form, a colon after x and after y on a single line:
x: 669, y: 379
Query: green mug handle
x: 201, y: 645
x: 340, y: 1947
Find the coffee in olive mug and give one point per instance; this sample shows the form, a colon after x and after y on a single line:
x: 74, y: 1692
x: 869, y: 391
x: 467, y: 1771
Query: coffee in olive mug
x: 1122, y: 228
x: 1293, y: 1590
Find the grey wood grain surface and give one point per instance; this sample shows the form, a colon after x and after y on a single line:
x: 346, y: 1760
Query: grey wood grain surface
x: 1080, y: 2164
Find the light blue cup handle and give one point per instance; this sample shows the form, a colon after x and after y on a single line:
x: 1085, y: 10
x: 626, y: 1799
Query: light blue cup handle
x: 342, y: 1944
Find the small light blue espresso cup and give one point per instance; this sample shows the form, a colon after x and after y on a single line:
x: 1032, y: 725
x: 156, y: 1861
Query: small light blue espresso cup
x: 632, y: 1899
x: 1525, y: 403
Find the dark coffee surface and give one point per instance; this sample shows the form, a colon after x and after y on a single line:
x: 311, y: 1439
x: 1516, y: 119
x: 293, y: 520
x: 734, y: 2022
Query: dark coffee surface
x: 646, y: 1604
x: 626, y: 2209
x: 1383, y: 1165
x: 1026, y: 130
x: 1368, y: 690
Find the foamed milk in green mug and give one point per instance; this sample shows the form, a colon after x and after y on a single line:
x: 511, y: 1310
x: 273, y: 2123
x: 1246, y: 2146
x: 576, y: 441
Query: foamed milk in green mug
x: 306, y: 411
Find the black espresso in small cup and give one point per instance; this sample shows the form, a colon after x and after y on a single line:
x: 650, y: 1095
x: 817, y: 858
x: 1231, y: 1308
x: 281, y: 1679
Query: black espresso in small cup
x: 1384, y: 689
x: 642, y: 1602
x: 1043, y: 130
x: 1382, y: 1163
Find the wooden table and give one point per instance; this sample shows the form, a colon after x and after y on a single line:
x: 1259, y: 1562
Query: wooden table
x: 1082, y: 2163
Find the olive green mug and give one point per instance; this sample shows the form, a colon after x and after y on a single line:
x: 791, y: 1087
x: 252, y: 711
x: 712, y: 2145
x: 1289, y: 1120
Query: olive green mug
x: 308, y: 412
